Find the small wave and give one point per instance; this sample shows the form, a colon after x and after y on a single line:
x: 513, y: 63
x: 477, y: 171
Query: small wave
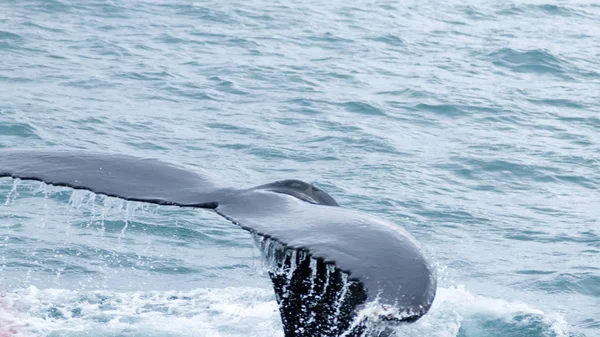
x: 530, y: 61
x: 516, y: 168
x: 107, y: 9
x: 201, y: 12
x: 472, y: 12
x: 170, y: 39
x: 558, y: 103
x: 9, y: 40
x: 591, y: 323
x: 535, y: 272
x: 37, y: 25
x: 247, y: 44
x: 408, y: 93
x: 232, y: 128
x: 553, y: 9
x: 52, y: 6
x: 89, y: 84
x: 329, y: 39
x: 538, y: 9
x: 4, y: 35
x: 389, y: 39
x: 228, y: 87
x: 18, y: 130
x: 591, y: 121
x: 580, y: 283
x: 362, y: 108
x: 577, y: 180
x: 189, y: 91
x: 145, y: 75
x: 16, y: 79
x: 441, y: 109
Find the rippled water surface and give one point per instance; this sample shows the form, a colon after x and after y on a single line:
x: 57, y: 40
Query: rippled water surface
x: 474, y: 125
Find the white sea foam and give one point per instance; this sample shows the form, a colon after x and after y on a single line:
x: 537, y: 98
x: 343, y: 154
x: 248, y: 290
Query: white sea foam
x: 457, y: 309
x: 33, y: 312
x: 201, y: 312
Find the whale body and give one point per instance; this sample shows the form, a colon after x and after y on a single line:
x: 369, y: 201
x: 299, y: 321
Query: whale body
x: 335, y: 271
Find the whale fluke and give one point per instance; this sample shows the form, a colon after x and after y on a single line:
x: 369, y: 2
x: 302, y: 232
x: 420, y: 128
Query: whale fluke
x: 335, y: 271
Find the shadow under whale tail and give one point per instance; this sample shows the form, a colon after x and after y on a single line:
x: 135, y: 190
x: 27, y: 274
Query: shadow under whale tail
x: 327, y: 263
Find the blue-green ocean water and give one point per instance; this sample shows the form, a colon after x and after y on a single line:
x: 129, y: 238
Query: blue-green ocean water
x: 475, y: 125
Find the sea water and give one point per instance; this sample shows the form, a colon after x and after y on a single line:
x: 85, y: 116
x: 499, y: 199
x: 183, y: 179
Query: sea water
x: 474, y: 125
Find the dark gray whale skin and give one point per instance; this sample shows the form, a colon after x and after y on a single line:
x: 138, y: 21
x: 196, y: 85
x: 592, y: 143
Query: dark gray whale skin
x: 321, y: 247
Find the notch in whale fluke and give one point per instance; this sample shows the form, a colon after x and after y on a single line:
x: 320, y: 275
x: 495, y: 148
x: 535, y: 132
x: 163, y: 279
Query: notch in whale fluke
x: 335, y: 271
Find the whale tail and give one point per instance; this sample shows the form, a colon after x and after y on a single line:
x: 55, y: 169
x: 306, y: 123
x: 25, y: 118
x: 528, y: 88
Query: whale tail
x: 327, y: 263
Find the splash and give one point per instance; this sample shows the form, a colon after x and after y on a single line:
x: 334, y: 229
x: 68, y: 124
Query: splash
x: 14, y: 193
x: 6, y: 319
x: 458, y: 312
x: 200, y: 312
